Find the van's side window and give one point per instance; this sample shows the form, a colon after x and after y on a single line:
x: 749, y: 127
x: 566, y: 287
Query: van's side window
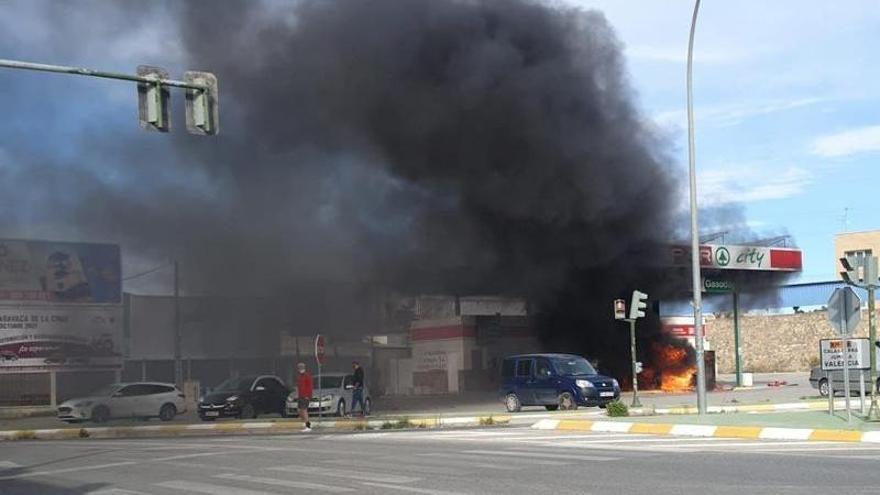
x: 507, y: 368
x: 543, y: 367
x: 524, y: 367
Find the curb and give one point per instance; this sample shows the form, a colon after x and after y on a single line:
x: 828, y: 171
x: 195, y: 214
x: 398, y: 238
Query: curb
x: 754, y: 408
x: 248, y: 428
x: 688, y: 430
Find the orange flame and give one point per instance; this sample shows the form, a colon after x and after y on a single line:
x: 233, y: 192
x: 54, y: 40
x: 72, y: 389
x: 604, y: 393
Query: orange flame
x: 676, y: 373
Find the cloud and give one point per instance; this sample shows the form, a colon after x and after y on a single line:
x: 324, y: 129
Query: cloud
x: 851, y: 142
x: 728, y: 115
x: 750, y: 183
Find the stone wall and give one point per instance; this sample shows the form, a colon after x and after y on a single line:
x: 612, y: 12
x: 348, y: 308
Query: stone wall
x: 773, y: 343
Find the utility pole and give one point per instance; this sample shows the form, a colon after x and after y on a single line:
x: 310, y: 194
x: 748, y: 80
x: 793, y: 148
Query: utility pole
x: 695, y: 233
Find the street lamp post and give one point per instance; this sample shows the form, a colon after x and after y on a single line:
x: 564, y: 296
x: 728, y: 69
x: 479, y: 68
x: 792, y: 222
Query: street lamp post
x: 695, y: 235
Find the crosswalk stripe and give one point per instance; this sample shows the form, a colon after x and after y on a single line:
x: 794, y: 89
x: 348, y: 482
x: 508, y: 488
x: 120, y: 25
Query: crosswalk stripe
x: 395, y: 464
x: 541, y: 455
x: 212, y: 489
x: 340, y: 473
x: 412, y: 489
x: 285, y: 483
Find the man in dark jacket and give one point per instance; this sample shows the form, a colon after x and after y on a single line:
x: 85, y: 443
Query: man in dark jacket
x: 357, y: 393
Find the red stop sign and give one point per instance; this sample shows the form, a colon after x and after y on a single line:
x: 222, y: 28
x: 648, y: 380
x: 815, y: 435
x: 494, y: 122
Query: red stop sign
x: 319, y: 349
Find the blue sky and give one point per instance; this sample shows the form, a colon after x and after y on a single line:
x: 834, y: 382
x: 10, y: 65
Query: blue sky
x: 786, y: 97
x: 787, y: 104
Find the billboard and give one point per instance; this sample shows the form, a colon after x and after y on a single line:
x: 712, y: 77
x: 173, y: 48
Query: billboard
x: 68, y: 337
x: 736, y: 257
x: 60, y: 272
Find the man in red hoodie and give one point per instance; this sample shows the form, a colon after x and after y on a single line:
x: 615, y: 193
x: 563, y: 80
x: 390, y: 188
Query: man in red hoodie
x: 304, y: 394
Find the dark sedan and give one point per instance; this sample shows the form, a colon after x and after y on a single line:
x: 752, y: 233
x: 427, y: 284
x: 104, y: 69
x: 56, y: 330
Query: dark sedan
x: 245, y: 397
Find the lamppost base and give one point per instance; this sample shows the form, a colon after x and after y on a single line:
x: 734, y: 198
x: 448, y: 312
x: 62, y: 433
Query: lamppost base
x: 636, y: 403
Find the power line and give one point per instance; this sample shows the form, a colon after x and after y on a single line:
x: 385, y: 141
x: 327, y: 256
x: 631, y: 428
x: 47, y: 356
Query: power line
x: 156, y: 269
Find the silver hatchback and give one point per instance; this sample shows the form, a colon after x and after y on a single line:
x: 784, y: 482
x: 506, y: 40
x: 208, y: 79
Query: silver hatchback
x: 336, y: 393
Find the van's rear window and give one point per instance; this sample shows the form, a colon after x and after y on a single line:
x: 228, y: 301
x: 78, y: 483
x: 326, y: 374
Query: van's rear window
x: 507, y: 368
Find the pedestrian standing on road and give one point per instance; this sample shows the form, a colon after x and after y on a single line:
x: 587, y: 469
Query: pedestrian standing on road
x: 357, y: 393
x: 304, y: 394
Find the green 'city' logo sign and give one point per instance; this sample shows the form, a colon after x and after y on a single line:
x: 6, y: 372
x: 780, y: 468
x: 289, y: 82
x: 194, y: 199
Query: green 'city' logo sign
x: 722, y: 256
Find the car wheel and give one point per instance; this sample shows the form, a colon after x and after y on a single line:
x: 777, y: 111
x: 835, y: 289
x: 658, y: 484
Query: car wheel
x: 167, y: 412
x: 512, y: 403
x: 368, y: 407
x: 603, y: 405
x: 208, y: 419
x: 340, y: 408
x: 566, y: 402
x: 552, y: 407
x: 100, y: 414
x: 823, y: 387
x: 247, y: 412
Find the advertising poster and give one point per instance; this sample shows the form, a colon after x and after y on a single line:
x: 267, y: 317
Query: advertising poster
x: 60, y: 272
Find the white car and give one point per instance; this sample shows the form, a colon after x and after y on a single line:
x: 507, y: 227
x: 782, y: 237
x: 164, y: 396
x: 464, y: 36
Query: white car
x: 336, y: 391
x: 125, y: 400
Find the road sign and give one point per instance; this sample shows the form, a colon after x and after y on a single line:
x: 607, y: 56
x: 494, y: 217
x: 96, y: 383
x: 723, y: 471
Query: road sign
x: 715, y: 286
x: 858, y: 354
x: 319, y: 349
x: 844, y: 310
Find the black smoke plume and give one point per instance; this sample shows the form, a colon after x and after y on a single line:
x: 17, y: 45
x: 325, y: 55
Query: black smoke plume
x: 419, y: 146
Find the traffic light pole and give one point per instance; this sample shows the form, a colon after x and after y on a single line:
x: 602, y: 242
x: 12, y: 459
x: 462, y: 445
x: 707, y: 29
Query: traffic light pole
x: 695, y: 233
x: 635, y: 371
x: 874, y: 411
x: 79, y: 71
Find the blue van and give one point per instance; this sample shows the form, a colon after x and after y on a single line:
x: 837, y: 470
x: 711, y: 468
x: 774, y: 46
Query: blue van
x: 555, y: 381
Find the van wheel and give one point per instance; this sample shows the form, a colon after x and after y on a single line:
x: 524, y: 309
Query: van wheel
x: 167, y: 412
x: 512, y: 402
x: 552, y: 407
x: 566, y: 402
x: 823, y: 387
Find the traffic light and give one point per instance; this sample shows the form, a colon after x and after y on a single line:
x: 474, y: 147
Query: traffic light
x: 637, y: 305
x: 850, y: 273
x: 638, y: 367
x: 202, y: 105
x: 153, y: 100
x: 619, y: 309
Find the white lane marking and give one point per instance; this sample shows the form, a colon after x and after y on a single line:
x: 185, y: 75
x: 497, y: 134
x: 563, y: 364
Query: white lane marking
x: 32, y: 474
x: 190, y: 456
x: 541, y: 455
x: 9, y: 465
x: 481, y: 457
x: 412, y: 489
x: 211, y: 489
x: 117, y: 491
x: 397, y: 465
x: 257, y: 425
x: 467, y: 461
x: 588, y: 440
x: 285, y: 483
x: 340, y: 473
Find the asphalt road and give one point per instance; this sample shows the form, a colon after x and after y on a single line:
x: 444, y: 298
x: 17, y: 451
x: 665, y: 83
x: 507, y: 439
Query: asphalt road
x: 438, y: 462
